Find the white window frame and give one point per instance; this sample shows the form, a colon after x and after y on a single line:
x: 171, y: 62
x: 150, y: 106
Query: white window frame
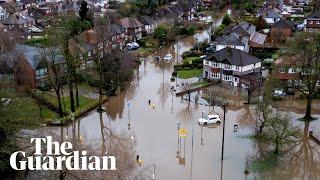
x: 227, y: 67
x: 237, y: 68
x: 227, y: 77
x: 215, y: 75
x: 216, y: 64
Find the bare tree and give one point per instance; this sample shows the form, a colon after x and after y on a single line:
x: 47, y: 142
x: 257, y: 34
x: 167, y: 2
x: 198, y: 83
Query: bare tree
x: 304, y: 54
x: 54, y: 64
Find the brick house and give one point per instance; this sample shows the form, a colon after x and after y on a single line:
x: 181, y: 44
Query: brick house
x: 133, y: 28
x: 149, y: 24
x: 231, y: 66
x: 286, y: 72
x: 312, y: 22
x: 30, y: 67
x: 281, y: 31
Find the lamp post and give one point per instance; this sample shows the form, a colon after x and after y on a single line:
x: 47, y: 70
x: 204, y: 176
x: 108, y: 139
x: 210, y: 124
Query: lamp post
x: 202, y: 129
x: 154, y: 172
x: 224, y: 124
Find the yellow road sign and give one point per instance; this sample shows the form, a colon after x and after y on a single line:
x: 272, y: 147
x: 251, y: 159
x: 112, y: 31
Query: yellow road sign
x: 183, y: 132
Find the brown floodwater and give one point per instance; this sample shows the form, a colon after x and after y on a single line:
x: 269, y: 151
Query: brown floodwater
x: 154, y: 128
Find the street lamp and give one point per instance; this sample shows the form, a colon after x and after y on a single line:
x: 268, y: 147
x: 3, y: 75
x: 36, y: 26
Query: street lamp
x: 154, y: 172
x: 202, y: 129
x: 224, y: 123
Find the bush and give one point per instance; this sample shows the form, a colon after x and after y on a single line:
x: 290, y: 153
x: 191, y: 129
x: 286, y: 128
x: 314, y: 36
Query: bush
x: 226, y: 20
x: 160, y: 32
x: 219, y: 30
x: 191, y: 30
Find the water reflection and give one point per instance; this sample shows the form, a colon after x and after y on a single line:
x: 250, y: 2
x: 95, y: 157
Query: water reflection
x: 301, y: 161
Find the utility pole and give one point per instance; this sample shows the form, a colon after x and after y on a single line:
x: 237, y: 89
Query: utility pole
x: 224, y: 124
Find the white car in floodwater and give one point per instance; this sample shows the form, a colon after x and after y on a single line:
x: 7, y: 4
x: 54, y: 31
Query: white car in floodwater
x: 168, y: 57
x: 211, y: 119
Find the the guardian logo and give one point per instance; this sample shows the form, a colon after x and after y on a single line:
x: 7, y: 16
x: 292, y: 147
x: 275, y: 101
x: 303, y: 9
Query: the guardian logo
x: 59, y: 156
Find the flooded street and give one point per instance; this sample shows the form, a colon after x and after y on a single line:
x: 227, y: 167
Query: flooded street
x: 154, y: 127
x: 155, y: 130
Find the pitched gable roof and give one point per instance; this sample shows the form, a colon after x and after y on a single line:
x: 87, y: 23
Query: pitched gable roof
x: 17, y: 19
x: 130, y: 23
x: 34, y: 55
x: 229, y: 40
x: 314, y: 14
x: 146, y: 20
x: 281, y: 24
x: 233, y: 56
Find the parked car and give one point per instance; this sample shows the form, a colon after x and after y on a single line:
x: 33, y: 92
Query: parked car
x: 157, y: 58
x: 168, y: 57
x: 279, y: 93
x: 133, y: 46
x: 211, y: 119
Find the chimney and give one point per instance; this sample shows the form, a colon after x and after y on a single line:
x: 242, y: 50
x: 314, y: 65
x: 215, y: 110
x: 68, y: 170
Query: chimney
x: 240, y: 37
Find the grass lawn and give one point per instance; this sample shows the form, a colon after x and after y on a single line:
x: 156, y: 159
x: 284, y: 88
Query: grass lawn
x: 199, y: 83
x: 186, y: 74
x: 145, y: 50
x: 188, y: 60
x: 24, y: 111
x: 83, y: 102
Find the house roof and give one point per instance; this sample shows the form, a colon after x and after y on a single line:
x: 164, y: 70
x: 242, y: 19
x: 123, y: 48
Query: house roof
x: 281, y: 24
x: 34, y: 55
x: 240, y: 31
x: 258, y: 38
x: 233, y: 56
x: 116, y: 29
x: 229, y: 40
x: 130, y: 23
x: 270, y: 13
x: 248, y: 27
x: 17, y: 19
x: 314, y: 14
x: 146, y: 20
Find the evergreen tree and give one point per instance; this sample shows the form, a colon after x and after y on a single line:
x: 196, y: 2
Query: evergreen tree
x: 83, y: 12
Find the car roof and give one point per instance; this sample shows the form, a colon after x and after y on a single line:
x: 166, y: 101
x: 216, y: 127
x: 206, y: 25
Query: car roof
x: 213, y: 116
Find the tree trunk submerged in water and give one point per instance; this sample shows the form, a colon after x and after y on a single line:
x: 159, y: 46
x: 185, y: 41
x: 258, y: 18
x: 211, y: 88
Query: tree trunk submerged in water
x: 59, y: 103
x: 307, y: 116
x: 71, y: 97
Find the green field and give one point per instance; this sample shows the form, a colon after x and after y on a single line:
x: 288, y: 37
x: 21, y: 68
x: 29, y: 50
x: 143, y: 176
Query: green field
x: 186, y: 74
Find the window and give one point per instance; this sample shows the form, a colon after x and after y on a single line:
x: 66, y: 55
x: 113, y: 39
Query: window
x: 237, y: 68
x: 292, y: 70
x: 205, y: 62
x: 215, y: 64
x: 227, y: 77
x: 227, y: 66
x: 310, y: 22
x: 318, y: 22
x: 215, y: 75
